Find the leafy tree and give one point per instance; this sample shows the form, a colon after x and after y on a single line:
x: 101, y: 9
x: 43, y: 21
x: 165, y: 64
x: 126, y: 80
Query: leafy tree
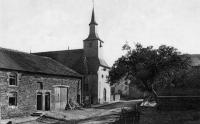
x: 188, y: 79
x: 148, y: 67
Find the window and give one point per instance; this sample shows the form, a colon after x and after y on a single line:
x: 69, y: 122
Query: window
x: 40, y: 85
x: 13, y: 99
x: 13, y: 79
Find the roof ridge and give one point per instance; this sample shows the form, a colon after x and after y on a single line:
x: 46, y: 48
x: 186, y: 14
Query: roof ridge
x: 57, y: 51
x: 13, y: 50
x: 22, y: 52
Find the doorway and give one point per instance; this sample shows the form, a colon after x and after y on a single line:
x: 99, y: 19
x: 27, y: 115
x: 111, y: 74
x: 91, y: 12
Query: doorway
x: 47, y: 101
x: 104, y: 94
x: 39, y: 101
x: 61, y: 97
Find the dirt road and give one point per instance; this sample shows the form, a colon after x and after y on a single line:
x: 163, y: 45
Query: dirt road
x: 97, y: 115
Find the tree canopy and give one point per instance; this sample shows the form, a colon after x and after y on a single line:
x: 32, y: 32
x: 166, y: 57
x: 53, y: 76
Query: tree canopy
x: 148, y: 66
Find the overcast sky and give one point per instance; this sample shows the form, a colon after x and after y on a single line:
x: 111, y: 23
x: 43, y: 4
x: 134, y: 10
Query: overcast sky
x: 48, y: 25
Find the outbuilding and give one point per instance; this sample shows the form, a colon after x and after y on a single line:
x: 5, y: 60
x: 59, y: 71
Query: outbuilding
x: 30, y: 83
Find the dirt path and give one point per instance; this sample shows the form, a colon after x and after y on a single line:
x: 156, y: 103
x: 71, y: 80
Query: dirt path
x: 98, y: 115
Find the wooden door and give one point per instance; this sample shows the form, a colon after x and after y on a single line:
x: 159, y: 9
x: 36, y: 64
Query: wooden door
x: 61, y: 98
x: 57, y: 98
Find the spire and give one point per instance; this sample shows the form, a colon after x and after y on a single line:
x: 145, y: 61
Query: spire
x: 93, y: 18
x: 93, y: 26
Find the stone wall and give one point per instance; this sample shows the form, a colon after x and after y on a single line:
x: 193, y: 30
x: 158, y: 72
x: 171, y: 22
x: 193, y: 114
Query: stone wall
x: 27, y: 88
x: 103, y: 84
x: 93, y: 88
x: 97, y: 83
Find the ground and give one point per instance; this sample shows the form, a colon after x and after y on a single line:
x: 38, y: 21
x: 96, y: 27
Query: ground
x: 102, y: 114
x: 110, y: 113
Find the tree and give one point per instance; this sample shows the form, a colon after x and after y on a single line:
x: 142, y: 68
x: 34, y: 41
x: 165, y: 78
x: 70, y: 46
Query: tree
x: 148, y: 67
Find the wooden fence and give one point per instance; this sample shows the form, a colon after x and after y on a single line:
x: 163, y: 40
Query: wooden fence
x: 129, y: 116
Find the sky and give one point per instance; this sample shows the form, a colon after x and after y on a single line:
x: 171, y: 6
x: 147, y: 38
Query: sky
x: 50, y: 25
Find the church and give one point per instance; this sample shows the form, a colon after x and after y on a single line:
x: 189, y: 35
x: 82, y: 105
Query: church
x: 88, y: 62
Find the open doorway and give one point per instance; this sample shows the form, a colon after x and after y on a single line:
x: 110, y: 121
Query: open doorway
x: 39, y: 101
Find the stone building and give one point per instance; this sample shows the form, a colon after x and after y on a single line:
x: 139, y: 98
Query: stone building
x: 88, y: 62
x: 126, y: 89
x: 29, y: 83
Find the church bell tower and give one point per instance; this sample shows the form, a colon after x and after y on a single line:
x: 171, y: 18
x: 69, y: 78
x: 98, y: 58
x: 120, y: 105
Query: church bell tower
x: 93, y: 44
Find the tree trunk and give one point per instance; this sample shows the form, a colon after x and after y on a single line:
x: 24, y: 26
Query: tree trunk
x: 155, y: 95
x: 152, y: 95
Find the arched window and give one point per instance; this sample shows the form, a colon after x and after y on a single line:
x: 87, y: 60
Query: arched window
x: 12, y: 79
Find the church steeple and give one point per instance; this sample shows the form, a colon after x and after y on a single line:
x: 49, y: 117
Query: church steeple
x: 93, y: 29
x: 93, y: 21
x: 93, y: 44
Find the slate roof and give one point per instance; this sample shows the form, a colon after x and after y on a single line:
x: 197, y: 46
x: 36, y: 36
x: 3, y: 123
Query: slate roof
x: 93, y: 36
x: 71, y: 58
x: 76, y: 60
x: 94, y: 63
x: 21, y: 61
